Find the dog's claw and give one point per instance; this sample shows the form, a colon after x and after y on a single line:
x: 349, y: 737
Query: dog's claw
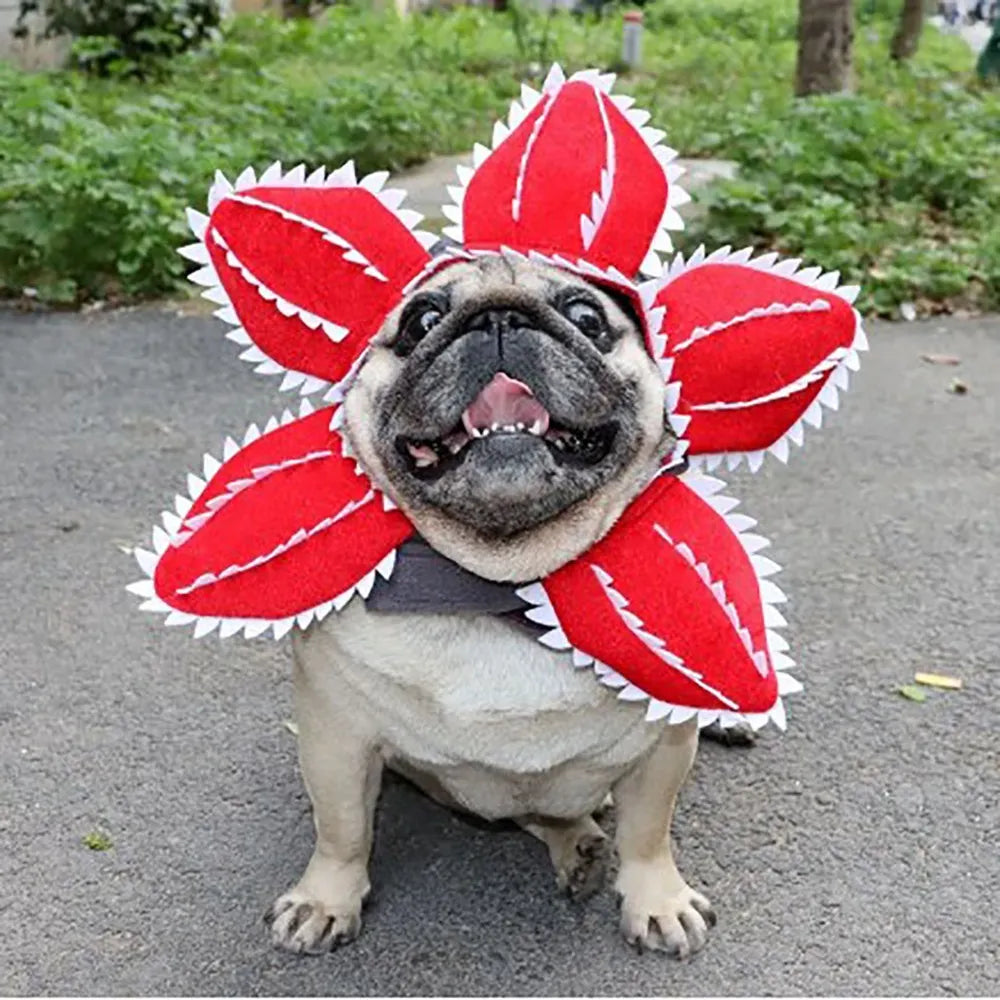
x: 676, y: 925
x: 587, y: 874
x: 307, y: 927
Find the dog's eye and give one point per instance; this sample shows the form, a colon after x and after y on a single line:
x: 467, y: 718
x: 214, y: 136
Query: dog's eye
x: 586, y: 317
x: 428, y: 319
x: 416, y: 324
x: 422, y: 322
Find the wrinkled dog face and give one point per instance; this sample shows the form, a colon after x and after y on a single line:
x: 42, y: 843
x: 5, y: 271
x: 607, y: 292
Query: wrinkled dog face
x: 501, y: 394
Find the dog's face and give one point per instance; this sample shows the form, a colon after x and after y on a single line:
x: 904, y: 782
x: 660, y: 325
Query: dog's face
x: 503, y: 399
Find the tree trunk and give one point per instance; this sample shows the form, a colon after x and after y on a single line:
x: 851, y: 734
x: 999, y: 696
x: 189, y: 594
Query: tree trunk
x: 826, y: 31
x: 907, y: 37
x: 295, y: 8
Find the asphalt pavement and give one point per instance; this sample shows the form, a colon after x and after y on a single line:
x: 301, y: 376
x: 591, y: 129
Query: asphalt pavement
x: 858, y: 853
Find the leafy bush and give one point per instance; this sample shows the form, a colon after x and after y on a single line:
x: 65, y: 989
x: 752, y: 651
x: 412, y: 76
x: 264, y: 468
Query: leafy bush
x: 125, y: 37
x: 898, y: 186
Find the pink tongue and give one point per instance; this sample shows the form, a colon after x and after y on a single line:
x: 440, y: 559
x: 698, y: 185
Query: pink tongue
x: 505, y: 401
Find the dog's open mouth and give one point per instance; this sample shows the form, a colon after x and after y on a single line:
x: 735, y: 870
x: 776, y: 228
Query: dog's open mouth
x: 506, y: 413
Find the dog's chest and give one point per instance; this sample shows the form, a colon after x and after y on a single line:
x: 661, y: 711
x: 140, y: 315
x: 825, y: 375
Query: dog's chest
x: 506, y: 725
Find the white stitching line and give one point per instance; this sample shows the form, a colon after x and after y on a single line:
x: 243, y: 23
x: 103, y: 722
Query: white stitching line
x: 802, y: 382
x: 718, y: 591
x: 544, y: 613
x: 352, y: 254
x: 236, y: 486
x: 515, y: 204
x: 652, y: 642
x: 789, y: 268
x: 590, y: 224
x: 297, y: 538
x: 760, y: 312
x: 310, y: 320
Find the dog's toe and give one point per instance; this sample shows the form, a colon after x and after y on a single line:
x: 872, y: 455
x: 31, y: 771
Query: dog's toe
x: 585, y: 874
x: 740, y: 735
x: 308, y: 927
x: 677, y: 926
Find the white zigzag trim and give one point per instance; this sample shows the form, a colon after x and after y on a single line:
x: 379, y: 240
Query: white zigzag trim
x: 654, y: 643
x: 175, y: 531
x: 590, y: 224
x: 835, y: 368
x: 206, y: 276
x: 453, y: 255
x: 300, y: 536
x: 544, y: 613
x: 520, y: 109
x: 188, y: 525
x: 709, y: 489
x: 718, y: 591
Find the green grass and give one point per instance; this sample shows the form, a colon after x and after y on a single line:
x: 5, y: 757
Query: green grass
x: 898, y: 186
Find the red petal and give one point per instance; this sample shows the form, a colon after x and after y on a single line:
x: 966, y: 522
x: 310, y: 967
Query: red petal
x: 302, y: 483
x: 281, y: 250
x: 704, y: 662
x: 638, y: 200
x: 537, y: 185
x: 751, y: 350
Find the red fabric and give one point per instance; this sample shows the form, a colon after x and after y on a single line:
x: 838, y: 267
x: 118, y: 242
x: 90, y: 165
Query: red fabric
x: 577, y: 178
x: 267, y: 514
x: 294, y: 440
x: 672, y: 601
x: 751, y: 358
x: 559, y: 152
x: 307, y: 268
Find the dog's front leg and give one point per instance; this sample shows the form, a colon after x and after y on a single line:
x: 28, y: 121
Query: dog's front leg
x: 342, y: 770
x: 659, y: 909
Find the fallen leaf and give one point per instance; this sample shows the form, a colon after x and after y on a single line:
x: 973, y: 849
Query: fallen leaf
x: 97, y: 841
x: 912, y: 692
x: 939, y: 681
x: 290, y: 726
x: 941, y: 359
x: 958, y: 387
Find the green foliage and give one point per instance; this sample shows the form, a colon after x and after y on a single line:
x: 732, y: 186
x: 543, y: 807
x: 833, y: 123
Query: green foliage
x: 124, y: 37
x: 898, y: 186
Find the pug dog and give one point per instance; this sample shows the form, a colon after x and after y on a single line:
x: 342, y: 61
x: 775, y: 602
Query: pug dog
x: 512, y: 412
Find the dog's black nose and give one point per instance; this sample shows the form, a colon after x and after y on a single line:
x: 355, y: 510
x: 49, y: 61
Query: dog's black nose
x: 496, y: 321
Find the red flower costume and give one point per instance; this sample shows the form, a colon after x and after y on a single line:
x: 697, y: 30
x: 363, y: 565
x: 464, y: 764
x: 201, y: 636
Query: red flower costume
x: 673, y: 607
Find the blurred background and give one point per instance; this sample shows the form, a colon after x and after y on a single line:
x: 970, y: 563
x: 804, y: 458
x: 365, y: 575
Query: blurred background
x: 865, y: 136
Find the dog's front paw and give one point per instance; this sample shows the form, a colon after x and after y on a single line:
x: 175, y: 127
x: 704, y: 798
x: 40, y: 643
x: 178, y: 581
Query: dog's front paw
x: 310, y: 927
x: 660, y: 911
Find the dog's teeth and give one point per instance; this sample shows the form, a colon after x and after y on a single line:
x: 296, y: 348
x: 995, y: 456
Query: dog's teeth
x: 495, y: 428
x: 520, y: 427
x: 509, y: 428
x: 536, y: 427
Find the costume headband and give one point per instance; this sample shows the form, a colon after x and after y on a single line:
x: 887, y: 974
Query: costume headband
x: 674, y: 607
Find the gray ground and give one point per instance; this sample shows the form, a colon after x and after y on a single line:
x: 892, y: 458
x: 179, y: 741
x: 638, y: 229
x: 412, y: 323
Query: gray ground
x: 856, y: 854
